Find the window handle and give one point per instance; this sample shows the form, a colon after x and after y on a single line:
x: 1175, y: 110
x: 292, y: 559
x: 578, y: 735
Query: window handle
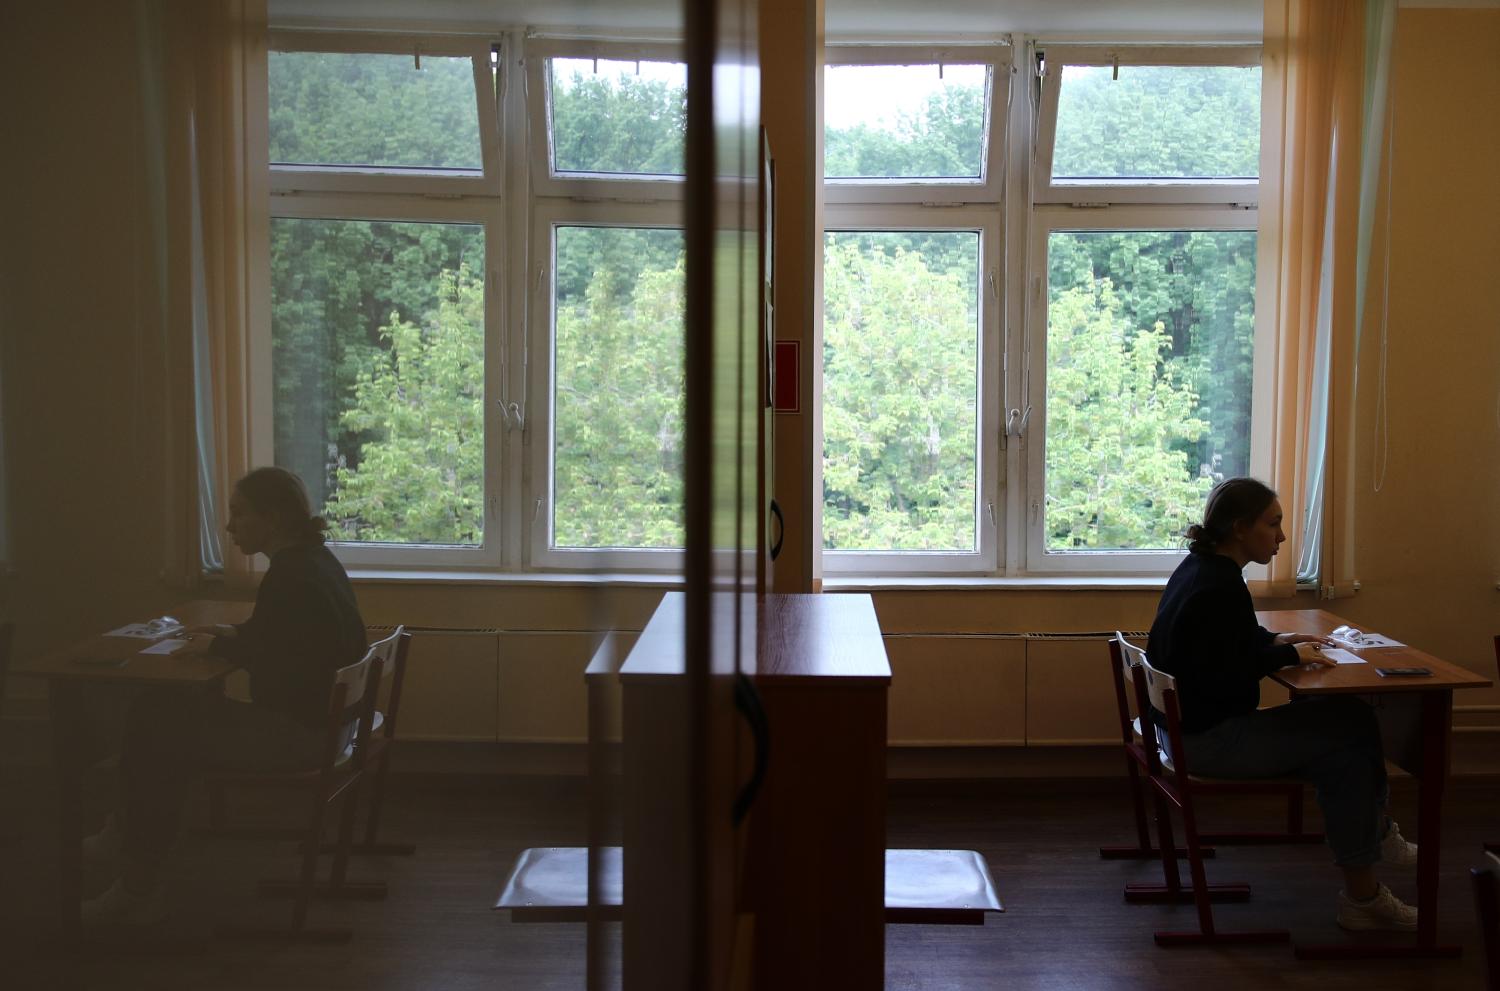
x: 514, y: 418
x: 1016, y: 421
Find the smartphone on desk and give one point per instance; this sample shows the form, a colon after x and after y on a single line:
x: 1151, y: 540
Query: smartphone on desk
x: 1403, y: 672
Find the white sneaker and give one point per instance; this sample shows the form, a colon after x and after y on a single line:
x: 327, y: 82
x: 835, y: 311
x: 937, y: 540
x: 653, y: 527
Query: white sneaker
x: 1384, y: 912
x: 1395, y: 850
x: 119, y: 906
x: 103, y: 849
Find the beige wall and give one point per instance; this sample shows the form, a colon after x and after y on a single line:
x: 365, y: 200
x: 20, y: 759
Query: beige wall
x: 1428, y: 554
x: 82, y: 344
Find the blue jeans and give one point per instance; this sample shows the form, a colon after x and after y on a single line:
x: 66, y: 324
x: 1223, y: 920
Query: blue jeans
x: 1332, y: 743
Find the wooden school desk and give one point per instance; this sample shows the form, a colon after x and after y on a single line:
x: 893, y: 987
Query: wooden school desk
x: 67, y: 672
x: 1431, y: 766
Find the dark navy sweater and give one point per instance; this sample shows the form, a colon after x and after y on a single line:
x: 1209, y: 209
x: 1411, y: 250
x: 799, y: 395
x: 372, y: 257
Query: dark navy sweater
x: 1205, y: 635
x: 306, y: 625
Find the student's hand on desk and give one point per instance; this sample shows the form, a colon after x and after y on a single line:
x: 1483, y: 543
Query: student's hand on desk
x: 1296, y: 638
x: 1310, y: 652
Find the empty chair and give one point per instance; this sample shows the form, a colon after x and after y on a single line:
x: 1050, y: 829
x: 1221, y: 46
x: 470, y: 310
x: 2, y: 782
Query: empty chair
x: 1173, y: 785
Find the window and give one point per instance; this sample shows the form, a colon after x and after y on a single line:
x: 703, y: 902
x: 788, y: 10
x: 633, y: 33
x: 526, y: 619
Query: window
x: 606, y: 450
x: 910, y: 326
x: 385, y: 224
x: 1062, y: 405
x: 1143, y: 343
x: 476, y: 354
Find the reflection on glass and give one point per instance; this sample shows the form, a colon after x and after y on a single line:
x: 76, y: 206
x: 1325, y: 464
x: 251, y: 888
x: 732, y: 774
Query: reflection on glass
x: 334, y: 108
x: 613, y: 117
x: 1150, y: 346
x: 904, y: 121
x: 1158, y: 122
x: 900, y: 390
x: 378, y: 375
x: 618, y: 354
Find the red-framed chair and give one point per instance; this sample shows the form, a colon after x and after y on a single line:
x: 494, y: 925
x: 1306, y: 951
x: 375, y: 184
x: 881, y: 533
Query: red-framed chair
x: 1487, y: 905
x: 1135, y: 763
x: 1174, y: 786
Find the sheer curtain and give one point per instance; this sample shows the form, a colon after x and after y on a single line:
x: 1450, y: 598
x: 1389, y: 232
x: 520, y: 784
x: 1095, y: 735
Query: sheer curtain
x: 1313, y: 78
x: 212, y: 175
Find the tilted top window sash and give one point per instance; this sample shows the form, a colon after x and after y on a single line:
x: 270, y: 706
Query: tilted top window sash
x: 608, y: 119
x: 383, y: 113
x: 1130, y: 124
x: 914, y: 124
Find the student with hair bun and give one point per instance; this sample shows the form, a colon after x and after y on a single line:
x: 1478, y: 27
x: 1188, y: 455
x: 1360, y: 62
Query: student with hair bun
x: 1206, y: 636
x: 305, y: 626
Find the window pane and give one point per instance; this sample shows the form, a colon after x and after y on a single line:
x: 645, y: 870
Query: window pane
x: 900, y: 390
x: 611, y: 117
x: 331, y: 108
x: 1158, y: 122
x: 1150, y: 339
x: 904, y: 121
x: 617, y: 408
x: 378, y: 375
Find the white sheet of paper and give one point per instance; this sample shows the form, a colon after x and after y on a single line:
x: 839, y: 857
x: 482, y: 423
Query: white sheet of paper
x: 165, y: 647
x: 1342, y: 656
x: 1372, y: 640
x: 145, y: 631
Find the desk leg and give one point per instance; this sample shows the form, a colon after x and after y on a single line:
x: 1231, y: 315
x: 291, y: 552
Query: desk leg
x: 64, y: 702
x: 1437, y: 728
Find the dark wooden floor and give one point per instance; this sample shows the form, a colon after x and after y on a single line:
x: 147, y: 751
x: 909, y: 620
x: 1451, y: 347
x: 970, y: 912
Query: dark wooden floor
x: 1066, y: 926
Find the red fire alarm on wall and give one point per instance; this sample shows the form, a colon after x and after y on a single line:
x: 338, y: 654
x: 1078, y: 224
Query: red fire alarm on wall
x: 787, y: 392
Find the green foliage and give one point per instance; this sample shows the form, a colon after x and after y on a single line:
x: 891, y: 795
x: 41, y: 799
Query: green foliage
x: 1114, y: 413
x: 420, y: 400
x: 605, y: 123
x: 329, y: 108
x: 900, y: 372
x: 618, y: 471
x: 945, y: 139
x: 1158, y: 121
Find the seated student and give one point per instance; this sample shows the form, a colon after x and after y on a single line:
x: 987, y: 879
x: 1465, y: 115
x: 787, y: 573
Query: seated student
x: 305, y: 626
x: 1206, y: 636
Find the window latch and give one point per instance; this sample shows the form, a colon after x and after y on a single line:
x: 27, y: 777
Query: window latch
x: 1016, y: 420
x: 515, y: 419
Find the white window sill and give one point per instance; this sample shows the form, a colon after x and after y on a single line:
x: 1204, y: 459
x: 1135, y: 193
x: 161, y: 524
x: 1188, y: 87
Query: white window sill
x: 1031, y: 583
x: 439, y: 576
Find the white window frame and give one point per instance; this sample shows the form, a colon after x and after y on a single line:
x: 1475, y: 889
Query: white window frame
x: 414, y: 196
x: 1190, y: 205
x: 986, y: 188
x: 549, y: 215
x: 875, y: 205
x: 545, y: 181
x: 486, y: 181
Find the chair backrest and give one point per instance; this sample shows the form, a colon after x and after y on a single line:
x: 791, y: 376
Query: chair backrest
x: 1123, y: 657
x: 1159, y: 689
x: 392, y: 653
x: 351, y: 706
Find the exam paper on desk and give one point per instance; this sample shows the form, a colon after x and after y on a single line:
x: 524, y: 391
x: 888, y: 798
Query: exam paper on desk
x: 1342, y: 656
